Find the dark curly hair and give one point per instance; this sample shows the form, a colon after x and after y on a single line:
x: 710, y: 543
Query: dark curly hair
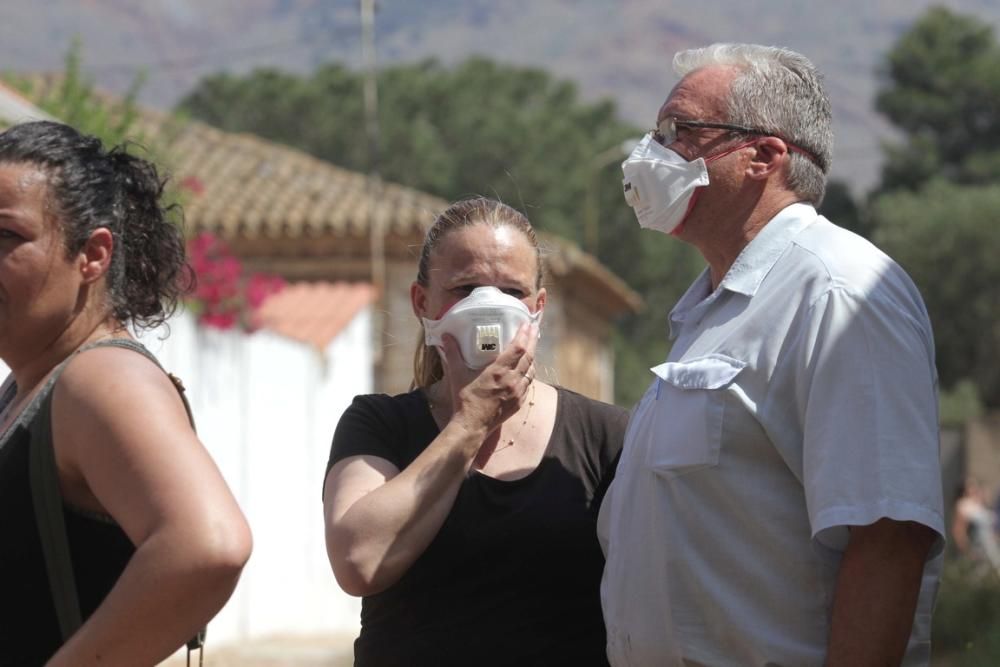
x: 89, y: 187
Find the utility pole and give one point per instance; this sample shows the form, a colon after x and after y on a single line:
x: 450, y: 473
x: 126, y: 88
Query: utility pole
x: 591, y: 215
x: 376, y: 225
x: 370, y: 83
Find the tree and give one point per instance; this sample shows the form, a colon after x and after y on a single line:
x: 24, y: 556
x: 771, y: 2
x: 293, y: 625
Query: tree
x: 73, y: 99
x: 941, y: 88
x: 512, y: 133
x: 936, y: 208
x: 479, y: 128
x: 840, y: 207
x: 225, y: 295
x: 946, y: 236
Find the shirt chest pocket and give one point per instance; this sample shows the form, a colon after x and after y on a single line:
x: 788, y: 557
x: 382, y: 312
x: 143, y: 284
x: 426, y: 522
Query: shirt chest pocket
x: 684, y: 422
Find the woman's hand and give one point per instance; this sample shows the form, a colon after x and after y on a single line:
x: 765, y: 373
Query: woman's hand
x: 487, y: 398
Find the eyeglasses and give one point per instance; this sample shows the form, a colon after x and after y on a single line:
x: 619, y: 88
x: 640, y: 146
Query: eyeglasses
x: 666, y: 132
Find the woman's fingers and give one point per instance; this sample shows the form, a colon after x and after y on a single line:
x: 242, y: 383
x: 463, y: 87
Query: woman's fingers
x: 520, y: 353
x: 499, y: 388
x: 526, y: 363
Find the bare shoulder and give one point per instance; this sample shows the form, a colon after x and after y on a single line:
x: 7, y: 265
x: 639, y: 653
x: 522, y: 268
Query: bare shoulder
x: 115, y: 378
x: 114, y: 409
x: 124, y: 446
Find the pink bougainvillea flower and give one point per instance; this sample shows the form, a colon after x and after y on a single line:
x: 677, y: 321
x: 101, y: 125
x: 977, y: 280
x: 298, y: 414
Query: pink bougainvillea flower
x: 226, y: 295
x: 193, y: 184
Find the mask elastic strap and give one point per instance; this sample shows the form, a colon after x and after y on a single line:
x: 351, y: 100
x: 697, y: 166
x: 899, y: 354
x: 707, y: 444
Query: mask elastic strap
x: 713, y: 158
x: 697, y: 191
x: 792, y: 148
x: 694, y: 198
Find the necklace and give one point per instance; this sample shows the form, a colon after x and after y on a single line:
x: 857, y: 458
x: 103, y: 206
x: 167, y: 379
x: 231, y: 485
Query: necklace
x: 524, y: 422
x: 510, y: 441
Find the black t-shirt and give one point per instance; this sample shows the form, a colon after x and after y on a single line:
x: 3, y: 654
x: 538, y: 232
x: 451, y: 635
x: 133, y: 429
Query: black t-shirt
x: 513, y: 576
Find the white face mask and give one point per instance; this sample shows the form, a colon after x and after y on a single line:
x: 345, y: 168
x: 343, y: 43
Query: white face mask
x: 483, y: 323
x: 659, y: 184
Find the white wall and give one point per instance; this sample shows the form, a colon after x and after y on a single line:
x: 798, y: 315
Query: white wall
x: 266, y: 408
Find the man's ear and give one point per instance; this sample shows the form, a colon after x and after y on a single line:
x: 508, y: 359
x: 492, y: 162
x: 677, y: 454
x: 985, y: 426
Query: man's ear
x: 95, y: 257
x: 770, y: 156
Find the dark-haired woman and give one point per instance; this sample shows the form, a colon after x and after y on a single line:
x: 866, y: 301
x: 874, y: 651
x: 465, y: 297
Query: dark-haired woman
x: 464, y: 511
x: 156, y: 539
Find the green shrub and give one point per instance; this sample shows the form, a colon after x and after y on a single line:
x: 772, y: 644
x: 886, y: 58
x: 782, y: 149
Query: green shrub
x: 967, y: 617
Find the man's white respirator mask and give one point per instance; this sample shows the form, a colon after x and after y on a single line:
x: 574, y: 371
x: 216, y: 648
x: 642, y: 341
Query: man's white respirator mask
x: 482, y: 323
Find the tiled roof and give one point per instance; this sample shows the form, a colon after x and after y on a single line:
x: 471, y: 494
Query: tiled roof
x: 241, y: 186
x: 565, y: 260
x: 314, y: 313
x: 267, y: 196
x: 238, y: 185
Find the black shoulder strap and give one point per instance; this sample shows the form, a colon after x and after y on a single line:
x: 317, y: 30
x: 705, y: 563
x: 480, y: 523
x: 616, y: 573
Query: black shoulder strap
x: 47, y: 499
x: 50, y: 519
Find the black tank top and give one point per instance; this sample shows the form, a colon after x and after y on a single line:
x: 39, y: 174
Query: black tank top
x: 29, y: 630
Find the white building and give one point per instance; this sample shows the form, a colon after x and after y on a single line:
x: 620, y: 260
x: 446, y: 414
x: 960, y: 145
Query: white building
x: 266, y: 405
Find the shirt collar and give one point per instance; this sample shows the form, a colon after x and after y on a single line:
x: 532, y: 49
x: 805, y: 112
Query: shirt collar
x: 759, y: 256
x: 751, y: 265
x: 699, y: 292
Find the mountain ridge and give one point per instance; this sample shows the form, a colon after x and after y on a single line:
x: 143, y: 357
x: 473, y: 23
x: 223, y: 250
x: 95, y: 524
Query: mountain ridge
x: 620, y: 51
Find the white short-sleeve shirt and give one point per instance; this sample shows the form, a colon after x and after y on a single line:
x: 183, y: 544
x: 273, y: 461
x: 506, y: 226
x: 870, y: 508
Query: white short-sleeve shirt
x: 800, y: 397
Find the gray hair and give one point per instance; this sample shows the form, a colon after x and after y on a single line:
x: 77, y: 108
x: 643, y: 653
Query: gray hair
x: 779, y: 91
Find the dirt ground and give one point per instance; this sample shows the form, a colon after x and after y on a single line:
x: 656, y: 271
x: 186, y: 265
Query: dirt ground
x: 275, y: 652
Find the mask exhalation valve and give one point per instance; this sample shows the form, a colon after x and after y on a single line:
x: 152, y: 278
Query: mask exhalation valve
x: 488, y: 337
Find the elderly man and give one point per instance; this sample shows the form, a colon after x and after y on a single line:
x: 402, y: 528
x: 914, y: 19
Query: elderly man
x: 778, y: 500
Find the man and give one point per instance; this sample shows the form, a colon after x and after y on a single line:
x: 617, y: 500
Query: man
x: 778, y: 500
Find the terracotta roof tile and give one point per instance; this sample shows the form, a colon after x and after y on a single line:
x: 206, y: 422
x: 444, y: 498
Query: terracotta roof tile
x: 314, y: 313
x: 250, y: 188
x: 254, y: 188
x: 566, y: 261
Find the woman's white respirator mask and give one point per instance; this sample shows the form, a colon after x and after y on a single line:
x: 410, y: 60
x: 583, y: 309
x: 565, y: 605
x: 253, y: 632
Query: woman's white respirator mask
x: 482, y: 323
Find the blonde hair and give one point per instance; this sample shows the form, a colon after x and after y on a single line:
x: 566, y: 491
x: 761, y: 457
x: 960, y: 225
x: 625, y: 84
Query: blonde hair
x: 427, y: 368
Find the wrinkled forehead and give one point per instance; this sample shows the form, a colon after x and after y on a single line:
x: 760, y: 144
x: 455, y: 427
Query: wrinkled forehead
x: 702, y: 94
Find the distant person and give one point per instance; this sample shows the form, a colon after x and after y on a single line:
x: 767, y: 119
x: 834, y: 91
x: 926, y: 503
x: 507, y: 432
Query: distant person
x: 155, y: 539
x: 996, y: 511
x: 464, y: 511
x: 778, y: 500
x: 974, y: 526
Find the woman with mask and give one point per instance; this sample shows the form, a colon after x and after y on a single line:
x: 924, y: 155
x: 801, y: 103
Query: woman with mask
x: 464, y: 511
x: 153, y: 541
